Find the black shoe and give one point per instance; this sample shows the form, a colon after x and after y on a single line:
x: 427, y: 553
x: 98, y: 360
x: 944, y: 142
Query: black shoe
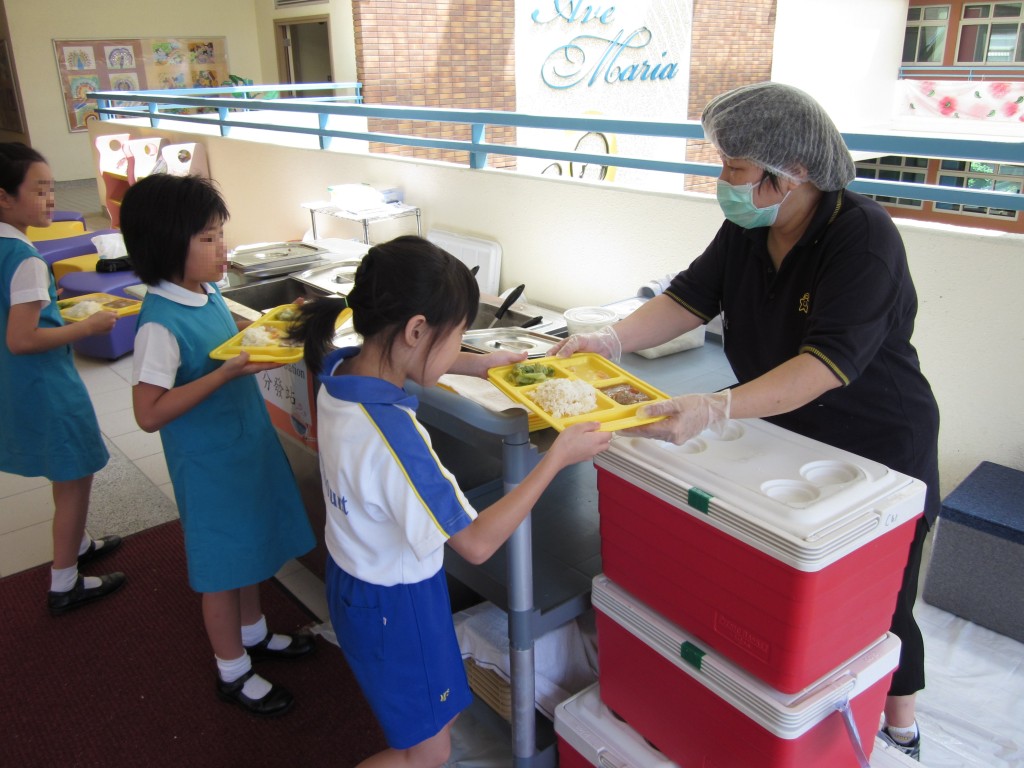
x: 110, y: 543
x: 276, y: 702
x: 78, y: 595
x: 302, y: 644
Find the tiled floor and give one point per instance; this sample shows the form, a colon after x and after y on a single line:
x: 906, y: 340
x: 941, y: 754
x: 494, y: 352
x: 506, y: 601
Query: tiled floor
x: 971, y: 713
x: 25, y: 536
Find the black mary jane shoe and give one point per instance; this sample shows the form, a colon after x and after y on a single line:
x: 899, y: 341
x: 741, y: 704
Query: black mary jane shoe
x: 79, y: 595
x: 302, y: 644
x: 277, y: 701
x: 110, y: 543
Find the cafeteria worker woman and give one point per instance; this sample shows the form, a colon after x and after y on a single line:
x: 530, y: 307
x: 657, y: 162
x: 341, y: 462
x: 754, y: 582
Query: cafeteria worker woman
x: 818, y: 308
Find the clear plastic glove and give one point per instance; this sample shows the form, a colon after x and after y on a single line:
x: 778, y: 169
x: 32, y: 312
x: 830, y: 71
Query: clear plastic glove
x: 686, y: 417
x: 603, y: 342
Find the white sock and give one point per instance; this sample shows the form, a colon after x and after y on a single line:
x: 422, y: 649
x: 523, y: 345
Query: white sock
x: 903, y: 735
x: 64, y: 579
x: 230, y: 670
x: 255, y: 632
x: 86, y: 541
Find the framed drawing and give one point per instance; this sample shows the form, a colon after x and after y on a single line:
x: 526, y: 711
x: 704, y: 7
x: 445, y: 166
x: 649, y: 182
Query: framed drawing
x: 95, y: 65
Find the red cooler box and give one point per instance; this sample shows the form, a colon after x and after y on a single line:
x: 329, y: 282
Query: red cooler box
x: 590, y: 734
x: 781, y: 553
x: 700, y: 710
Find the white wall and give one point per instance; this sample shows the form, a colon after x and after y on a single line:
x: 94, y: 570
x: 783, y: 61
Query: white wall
x: 576, y: 243
x: 34, y: 24
x: 340, y: 31
x: 605, y: 78
x: 845, y: 54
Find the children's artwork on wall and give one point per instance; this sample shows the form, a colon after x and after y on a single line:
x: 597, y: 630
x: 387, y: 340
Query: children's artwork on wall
x: 119, y: 57
x: 86, y: 66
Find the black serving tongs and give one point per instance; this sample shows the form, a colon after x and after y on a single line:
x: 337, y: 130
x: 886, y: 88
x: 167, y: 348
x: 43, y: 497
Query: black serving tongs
x: 511, y: 299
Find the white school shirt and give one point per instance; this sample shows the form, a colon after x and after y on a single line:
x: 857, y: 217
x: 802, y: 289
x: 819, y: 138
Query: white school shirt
x: 391, y: 504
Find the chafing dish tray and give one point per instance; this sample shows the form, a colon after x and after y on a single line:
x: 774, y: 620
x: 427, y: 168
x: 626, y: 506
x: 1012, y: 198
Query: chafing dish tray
x: 509, y: 340
x: 335, y: 277
x: 265, y: 259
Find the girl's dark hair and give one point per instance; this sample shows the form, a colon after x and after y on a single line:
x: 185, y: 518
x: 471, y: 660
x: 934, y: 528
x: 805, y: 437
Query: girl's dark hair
x: 160, y: 215
x: 15, y: 159
x: 395, y: 281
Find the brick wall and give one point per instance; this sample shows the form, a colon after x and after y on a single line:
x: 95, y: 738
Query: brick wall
x: 732, y: 46
x: 457, y: 54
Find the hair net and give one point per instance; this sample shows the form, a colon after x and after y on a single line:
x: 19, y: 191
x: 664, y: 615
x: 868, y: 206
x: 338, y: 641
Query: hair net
x: 781, y: 129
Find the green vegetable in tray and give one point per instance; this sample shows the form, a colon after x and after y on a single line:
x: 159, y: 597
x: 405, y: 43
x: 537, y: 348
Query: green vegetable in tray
x: 529, y: 373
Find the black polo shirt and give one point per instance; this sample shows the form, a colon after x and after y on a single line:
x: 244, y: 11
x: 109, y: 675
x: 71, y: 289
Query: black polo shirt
x: 843, y: 294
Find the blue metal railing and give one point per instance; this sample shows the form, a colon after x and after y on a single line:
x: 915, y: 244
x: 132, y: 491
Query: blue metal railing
x: 1008, y: 72
x: 230, y: 108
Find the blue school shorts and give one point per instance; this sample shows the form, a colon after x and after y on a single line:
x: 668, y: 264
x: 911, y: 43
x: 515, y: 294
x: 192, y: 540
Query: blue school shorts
x: 400, y: 643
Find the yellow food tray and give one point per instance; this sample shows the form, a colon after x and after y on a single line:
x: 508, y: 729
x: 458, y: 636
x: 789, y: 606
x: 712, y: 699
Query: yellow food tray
x: 118, y: 304
x: 595, y: 370
x: 275, y: 321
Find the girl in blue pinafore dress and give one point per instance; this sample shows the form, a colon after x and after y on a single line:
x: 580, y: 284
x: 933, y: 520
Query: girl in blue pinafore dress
x: 240, y: 507
x: 47, y: 424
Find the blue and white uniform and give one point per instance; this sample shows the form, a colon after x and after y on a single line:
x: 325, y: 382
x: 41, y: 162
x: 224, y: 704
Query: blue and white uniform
x: 48, y: 426
x: 240, y: 508
x: 391, y: 506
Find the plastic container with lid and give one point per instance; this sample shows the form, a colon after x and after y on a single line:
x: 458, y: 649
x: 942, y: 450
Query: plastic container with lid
x: 588, y: 319
x: 781, y: 553
x: 701, y: 710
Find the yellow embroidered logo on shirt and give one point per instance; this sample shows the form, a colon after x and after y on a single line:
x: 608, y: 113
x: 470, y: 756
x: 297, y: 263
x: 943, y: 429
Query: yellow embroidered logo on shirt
x: 444, y: 696
x: 805, y: 303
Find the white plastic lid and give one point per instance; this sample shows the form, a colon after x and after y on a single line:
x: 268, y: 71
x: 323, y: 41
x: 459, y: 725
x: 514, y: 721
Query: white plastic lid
x: 798, y: 500
x: 590, y: 315
x: 601, y: 738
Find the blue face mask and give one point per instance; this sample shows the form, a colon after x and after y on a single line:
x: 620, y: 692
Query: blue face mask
x: 737, y: 203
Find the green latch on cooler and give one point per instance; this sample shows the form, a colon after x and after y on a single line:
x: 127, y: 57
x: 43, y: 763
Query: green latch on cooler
x: 698, y: 499
x: 691, y: 654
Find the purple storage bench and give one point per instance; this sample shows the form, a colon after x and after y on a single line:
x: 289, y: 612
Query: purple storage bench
x: 110, y: 346
x: 81, y: 283
x: 68, y: 216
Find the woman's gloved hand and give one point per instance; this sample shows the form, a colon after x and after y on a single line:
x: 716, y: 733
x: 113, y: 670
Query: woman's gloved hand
x: 603, y: 342
x: 686, y: 417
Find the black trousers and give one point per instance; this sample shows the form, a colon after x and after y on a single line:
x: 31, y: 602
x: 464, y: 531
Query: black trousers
x: 909, y: 675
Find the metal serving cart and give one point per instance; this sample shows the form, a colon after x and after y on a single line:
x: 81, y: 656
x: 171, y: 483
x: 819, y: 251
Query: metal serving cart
x: 558, y: 543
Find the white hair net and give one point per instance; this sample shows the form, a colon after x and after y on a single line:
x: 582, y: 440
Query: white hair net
x: 781, y: 129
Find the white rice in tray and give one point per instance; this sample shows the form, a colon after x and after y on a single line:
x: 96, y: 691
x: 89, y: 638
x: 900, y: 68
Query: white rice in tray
x: 564, y: 397
x: 257, y: 336
x: 83, y: 309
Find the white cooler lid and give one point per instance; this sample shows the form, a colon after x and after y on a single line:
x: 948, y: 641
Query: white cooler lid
x: 787, y: 715
x: 801, y: 501
x: 589, y: 727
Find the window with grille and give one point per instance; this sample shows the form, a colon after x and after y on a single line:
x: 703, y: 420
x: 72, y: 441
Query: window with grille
x: 924, y: 41
x: 894, y: 168
x: 995, y: 177
x: 990, y: 33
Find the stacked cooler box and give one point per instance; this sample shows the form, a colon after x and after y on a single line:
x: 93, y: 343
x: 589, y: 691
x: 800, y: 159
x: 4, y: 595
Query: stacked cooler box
x: 749, y: 582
